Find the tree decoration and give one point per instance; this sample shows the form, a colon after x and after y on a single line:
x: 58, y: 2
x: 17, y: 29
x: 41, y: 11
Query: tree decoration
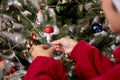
x: 96, y: 28
x: 14, y: 69
x: 48, y: 30
x: 14, y: 73
x: 40, y: 17
x: 56, y: 30
x: 61, y: 9
x: 7, y: 76
x: 29, y: 46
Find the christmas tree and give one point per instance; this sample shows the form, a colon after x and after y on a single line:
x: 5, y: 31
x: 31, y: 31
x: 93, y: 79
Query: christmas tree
x: 24, y: 23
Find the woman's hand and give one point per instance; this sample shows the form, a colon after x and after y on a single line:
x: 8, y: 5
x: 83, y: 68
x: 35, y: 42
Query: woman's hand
x: 42, y: 50
x: 64, y: 45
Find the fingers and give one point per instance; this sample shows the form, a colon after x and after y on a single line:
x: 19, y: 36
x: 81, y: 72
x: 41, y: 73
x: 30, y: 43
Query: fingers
x: 58, y: 47
x: 51, y: 49
x: 44, y: 46
x: 60, y: 41
x: 57, y: 41
x: 42, y: 50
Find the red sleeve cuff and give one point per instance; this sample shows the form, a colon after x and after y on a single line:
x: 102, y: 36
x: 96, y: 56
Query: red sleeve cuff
x: 46, y: 65
x: 76, y: 50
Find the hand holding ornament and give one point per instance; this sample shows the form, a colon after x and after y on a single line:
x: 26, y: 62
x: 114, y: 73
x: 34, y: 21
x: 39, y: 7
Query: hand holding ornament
x: 64, y: 45
x: 42, y: 50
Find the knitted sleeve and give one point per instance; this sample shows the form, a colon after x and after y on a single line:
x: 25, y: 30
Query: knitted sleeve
x: 112, y: 74
x: 89, y: 62
x: 45, y: 68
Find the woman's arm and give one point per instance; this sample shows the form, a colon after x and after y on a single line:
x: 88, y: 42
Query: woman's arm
x: 89, y: 61
x: 45, y: 68
x: 112, y: 74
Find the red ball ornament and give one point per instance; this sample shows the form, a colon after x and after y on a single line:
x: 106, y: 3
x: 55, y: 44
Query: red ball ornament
x: 48, y: 29
x: 8, y: 74
x: 116, y: 53
x: 14, y: 69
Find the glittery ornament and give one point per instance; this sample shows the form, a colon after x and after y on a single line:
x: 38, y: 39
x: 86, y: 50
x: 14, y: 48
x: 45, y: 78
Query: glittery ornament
x: 96, y: 28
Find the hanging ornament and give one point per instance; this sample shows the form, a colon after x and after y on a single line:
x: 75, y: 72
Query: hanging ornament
x: 29, y: 46
x: 61, y: 9
x: 14, y: 69
x: 96, y: 28
x: 56, y: 30
x: 18, y: 75
x: 40, y: 17
x: 96, y: 19
x: 48, y: 30
x: 8, y: 65
x: 7, y: 76
x: 51, y: 12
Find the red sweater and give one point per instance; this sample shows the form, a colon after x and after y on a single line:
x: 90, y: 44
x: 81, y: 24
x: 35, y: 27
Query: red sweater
x: 89, y: 64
